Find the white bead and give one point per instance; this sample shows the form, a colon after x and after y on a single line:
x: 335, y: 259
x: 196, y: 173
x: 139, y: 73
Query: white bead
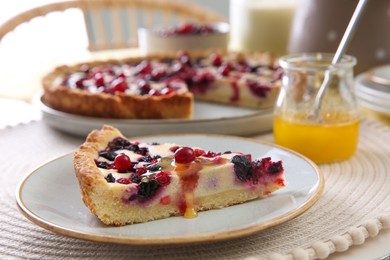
x: 372, y: 228
x: 385, y: 221
x: 357, y: 236
x: 321, y: 249
x: 300, y: 254
x: 341, y: 243
x: 275, y: 256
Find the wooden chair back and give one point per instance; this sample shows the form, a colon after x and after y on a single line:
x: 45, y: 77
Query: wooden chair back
x: 113, y: 24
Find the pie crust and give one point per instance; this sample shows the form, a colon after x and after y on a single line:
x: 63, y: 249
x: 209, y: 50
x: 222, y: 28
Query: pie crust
x: 240, y: 87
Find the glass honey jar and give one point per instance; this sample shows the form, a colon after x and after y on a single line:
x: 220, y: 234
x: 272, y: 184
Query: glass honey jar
x: 333, y: 134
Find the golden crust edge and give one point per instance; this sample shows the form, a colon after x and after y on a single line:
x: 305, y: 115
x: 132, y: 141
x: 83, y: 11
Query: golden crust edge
x: 88, y: 175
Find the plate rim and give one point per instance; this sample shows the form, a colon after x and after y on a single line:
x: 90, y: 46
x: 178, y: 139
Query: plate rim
x: 173, y: 240
x: 377, y: 79
x: 360, y: 86
x: 53, y: 112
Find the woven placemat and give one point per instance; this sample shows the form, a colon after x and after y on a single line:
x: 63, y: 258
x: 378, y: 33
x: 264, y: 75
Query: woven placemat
x: 353, y: 207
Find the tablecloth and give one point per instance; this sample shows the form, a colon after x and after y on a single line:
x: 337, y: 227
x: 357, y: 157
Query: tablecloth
x: 354, y: 206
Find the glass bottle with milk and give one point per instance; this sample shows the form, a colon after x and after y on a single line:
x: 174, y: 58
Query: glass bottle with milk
x: 261, y: 25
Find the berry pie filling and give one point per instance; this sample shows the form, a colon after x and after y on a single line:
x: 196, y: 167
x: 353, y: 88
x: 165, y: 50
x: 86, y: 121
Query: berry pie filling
x: 159, y: 77
x: 168, y: 174
x: 187, y: 29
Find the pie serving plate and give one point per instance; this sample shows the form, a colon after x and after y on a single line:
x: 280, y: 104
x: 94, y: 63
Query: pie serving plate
x: 208, y: 118
x: 49, y: 196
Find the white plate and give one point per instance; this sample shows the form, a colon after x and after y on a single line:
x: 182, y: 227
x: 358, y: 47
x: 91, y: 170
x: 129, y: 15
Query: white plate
x: 373, y: 106
x: 374, y: 101
x: 207, y: 119
x: 372, y: 95
x: 49, y: 196
x: 368, y: 87
x: 380, y: 75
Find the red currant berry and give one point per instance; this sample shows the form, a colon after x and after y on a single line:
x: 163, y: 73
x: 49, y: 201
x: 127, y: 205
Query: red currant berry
x: 123, y: 181
x: 80, y: 83
x: 122, y: 162
x: 225, y: 69
x: 163, y: 178
x: 144, y: 87
x: 144, y: 67
x: 199, y: 152
x: 185, y: 28
x: 167, y: 91
x: 154, y: 92
x: 216, y: 60
x: 157, y: 74
x: 119, y: 85
x: 184, y: 155
x: 211, y: 154
x: 141, y: 170
x: 99, y: 79
x: 174, y: 148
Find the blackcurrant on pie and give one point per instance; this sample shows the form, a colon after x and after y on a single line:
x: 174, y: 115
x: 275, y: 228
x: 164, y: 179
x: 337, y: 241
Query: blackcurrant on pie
x: 163, y: 86
x: 125, y: 182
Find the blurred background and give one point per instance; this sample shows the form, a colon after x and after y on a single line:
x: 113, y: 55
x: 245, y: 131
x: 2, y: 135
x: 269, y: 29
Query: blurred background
x: 24, y: 56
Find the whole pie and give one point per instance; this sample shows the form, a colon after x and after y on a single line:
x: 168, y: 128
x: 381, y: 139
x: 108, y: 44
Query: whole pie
x: 125, y: 182
x: 163, y: 86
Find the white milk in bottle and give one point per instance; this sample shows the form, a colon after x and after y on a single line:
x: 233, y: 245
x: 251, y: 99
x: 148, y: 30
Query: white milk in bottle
x: 261, y: 25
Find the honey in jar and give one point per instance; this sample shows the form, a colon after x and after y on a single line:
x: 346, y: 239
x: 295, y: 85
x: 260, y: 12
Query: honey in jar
x: 333, y: 135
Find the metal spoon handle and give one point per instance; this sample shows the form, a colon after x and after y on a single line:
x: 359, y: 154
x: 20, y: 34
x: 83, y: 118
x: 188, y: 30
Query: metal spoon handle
x: 340, y: 52
x: 351, y: 28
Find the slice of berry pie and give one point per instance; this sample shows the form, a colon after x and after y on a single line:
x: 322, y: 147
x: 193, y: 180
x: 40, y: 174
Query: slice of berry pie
x: 163, y: 86
x: 125, y: 182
